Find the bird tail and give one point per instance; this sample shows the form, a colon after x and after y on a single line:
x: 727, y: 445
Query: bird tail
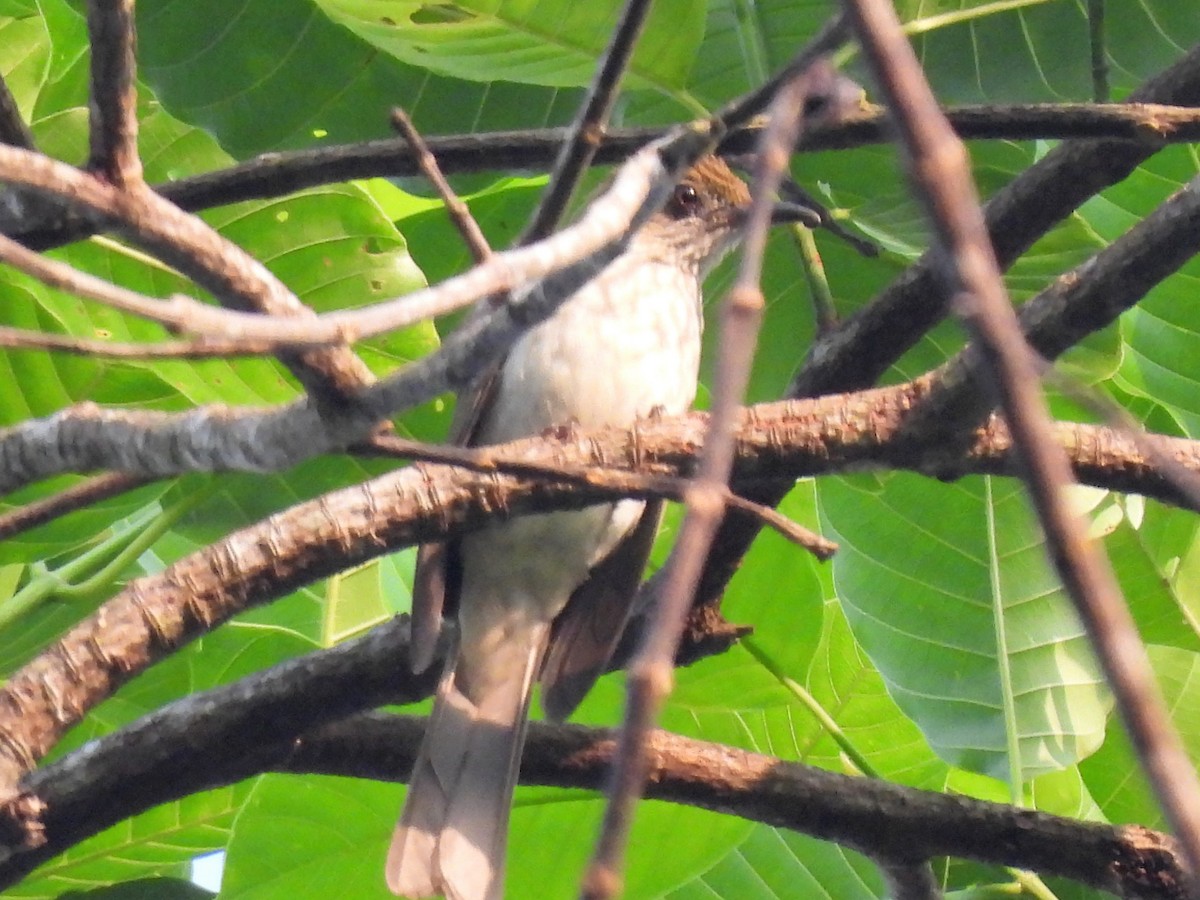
x: 452, y: 832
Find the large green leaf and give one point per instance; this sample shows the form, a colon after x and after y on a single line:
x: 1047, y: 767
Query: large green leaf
x: 24, y: 56
x: 160, y: 842
x: 1113, y: 774
x: 555, y: 43
x: 948, y: 590
x: 234, y: 71
x: 310, y: 837
x: 773, y: 863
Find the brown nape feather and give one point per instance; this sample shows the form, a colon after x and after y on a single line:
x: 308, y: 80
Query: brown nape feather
x: 714, y: 175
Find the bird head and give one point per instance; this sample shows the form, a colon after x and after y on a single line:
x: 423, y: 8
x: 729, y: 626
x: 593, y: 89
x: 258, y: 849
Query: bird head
x: 704, y: 216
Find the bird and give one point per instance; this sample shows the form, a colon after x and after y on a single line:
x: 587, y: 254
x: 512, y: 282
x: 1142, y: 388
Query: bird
x: 547, y: 595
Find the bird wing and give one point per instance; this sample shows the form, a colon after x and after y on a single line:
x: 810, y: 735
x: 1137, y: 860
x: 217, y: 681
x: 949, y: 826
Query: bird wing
x: 437, y: 576
x: 586, y: 632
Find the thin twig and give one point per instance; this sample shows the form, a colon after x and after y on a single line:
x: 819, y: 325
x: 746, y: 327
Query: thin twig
x: 586, y: 133
x: 188, y: 244
x: 113, y: 123
x: 175, y: 312
x: 650, y: 674
x: 76, y: 497
x: 622, y: 481
x: 741, y: 111
x: 939, y: 166
x: 201, y: 348
x: 459, y: 214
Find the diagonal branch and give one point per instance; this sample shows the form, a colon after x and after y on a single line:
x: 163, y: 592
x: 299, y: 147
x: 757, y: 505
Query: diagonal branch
x: 938, y: 165
x: 650, y: 673
x: 155, y: 615
x: 273, y: 721
x: 13, y: 129
x: 862, y: 347
x: 187, y: 243
x: 1079, y: 302
x: 86, y: 438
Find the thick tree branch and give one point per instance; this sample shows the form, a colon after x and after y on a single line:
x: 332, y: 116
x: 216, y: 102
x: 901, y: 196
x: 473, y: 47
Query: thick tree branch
x: 1079, y: 302
x: 87, y: 492
x: 188, y: 244
x: 157, y: 614
x: 281, y: 173
x: 273, y: 721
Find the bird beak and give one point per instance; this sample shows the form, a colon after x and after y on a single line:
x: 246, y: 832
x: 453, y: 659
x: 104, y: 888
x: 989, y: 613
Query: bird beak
x: 790, y: 212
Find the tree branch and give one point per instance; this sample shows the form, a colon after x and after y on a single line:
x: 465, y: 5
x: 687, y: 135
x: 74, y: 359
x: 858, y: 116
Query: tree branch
x: 85, y: 438
x: 155, y: 615
x: 113, y: 120
x: 938, y: 165
x: 272, y: 721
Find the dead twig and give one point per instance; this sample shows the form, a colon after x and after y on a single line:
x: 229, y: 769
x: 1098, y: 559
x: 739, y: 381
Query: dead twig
x: 650, y: 675
x: 939, y: 168
x: 586, y: 132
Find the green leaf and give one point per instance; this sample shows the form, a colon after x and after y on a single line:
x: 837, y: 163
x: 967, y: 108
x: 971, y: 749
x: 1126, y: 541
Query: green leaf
x: 1158, y: 609
x: 872, y: 735
x: 1113, y: 775
x: 555, y: 43
x: 772, y: 863
x: 949, y: 592
x: 24, y: 55
x: 310, y: 837
x: 234, y: 71
x: 160, y: 842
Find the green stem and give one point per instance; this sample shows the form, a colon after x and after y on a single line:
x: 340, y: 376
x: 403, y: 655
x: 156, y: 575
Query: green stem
x: 1007, y: 696
x: 142, y: 541
x: 1033, y: 885
x: 813, y: 706
x: 94, y: 569
x: 814, y: 273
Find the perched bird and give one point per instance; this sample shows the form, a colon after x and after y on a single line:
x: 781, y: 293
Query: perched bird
x: 623, y: 346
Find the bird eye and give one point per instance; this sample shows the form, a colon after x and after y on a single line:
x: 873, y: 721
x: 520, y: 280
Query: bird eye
x: 684, y: 202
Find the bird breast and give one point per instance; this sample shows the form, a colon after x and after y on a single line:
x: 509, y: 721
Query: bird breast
x: 624, y: 345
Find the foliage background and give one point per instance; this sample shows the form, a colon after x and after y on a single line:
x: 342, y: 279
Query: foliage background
x: 936, y: 651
